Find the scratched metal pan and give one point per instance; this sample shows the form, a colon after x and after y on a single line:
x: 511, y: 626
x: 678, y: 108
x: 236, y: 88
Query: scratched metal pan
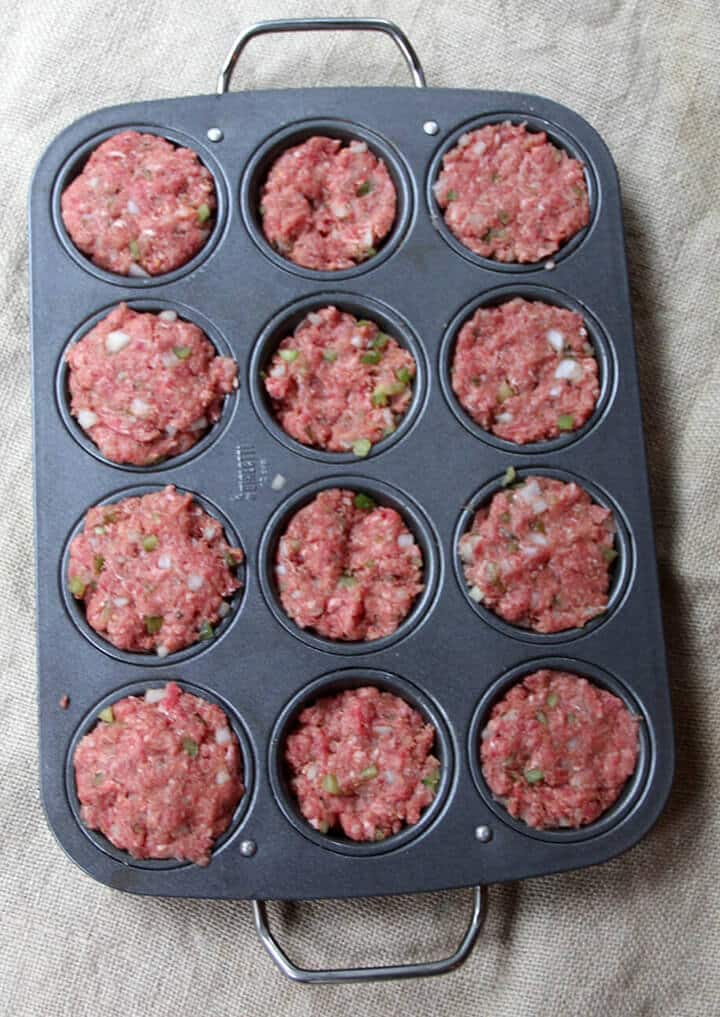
x: 450, y: 658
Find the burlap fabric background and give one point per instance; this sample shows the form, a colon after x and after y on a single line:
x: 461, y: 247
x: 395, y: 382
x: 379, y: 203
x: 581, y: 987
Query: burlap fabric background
x: 639, y: 936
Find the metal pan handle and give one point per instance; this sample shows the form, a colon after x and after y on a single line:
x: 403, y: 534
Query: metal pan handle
x: 381, y: 974
x: 322, y: 25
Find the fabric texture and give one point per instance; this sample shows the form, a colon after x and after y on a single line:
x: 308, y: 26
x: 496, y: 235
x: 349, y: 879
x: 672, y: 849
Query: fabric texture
x: 638, y: 936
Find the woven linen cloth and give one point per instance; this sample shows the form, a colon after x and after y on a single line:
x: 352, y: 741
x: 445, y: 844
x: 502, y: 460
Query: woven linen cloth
x: 638, y: 936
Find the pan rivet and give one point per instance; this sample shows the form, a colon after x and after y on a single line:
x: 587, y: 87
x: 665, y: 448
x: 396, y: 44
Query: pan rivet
x: 215, y: 134
x: 483, y: 834
x: 431, y: 127
x: 248, y: 848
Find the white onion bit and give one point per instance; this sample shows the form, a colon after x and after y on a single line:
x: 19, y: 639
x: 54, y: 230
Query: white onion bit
x: 87, y: 419
x: 199, y: 425
x: 405, y: 540
x: 278, y: 371
x: 224, y: 609
x: 222, y: 735
x: 549, y: 265
x: 195, y: 582
x: 555, y: 338
x: 164, y: 561
x: 280, y: 570
x: 116, y: 341
x: 168, y: 316
x: 139, y: 408
x: 209, y: 533
x: 171, y: 430
x: 162, y: 651
x: 137, y: 271
x: 569, y: 369
x: 222, y: 777
x: 120, y: 602
x: 476, y: 594
x: 278, y: 482
x: 155, y: 695
x: 132, y: 207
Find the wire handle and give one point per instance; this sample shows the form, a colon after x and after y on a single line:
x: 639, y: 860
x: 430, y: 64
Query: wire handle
x: 372, y: 974
x: 322, y: 25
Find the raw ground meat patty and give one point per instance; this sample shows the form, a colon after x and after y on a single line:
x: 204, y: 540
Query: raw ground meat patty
x: 146, y: 386
x: 362, y: 761
x: 557, y: 750
x: 327, y: 205
x: 539, y: 555
x: 510, y: 194
x: 141, y: 206
x: 153, y: 572
x: 338, y: 383
x: 525, y: 370
x: 160, y: 776
x: 347, y: 568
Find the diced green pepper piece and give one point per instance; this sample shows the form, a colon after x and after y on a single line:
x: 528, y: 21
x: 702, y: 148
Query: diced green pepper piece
x: 432, y: 780
x: 107, y: 716
x: 77, y: 586
x: 451, y: 195
x: 98, y: 778
x: 230, y: 560
x: 541, y: 718
x: 206, y: 631
x: 363, y: 501
x: 369, y: 252
x: 371, y: 357
x: 365, y: 188
x: 109, y: 517
x: 565, y: 422
x: 134, y: 250
x: 552, y: 700
x: 150, y: 542
x: 98, y: 564
x: 363, y: 323
x: 609, y: 554
x: 330, y: 356
x: 322, y: 826
x: 190, y: 746
x: 379, y: 835
x: 203, y: 213
x: 288, y: 355
x: 403, y: 375
x: 369, y: 772
x: 361, y: 447
x: 347, y: 582
x: 533, y: 776
x: 182, y: 352
x: 153, y: 623
x: 330, y: 784
x: 503, y: 217
x: 380, y: 341
x: 505, y: 392
x: 380, y: 396
x: 538, y: 525
x: 509, y: 477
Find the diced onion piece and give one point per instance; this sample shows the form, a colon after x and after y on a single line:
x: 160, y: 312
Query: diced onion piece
x: 539, y: 538
x: 199, y: 425
x: 504, y: 418
x: 280, y: 570
x: 195, y: 582
x: 116, y: 341
x: 314, y: 318
x: 356, y: 341
x: 120, y: 602
x: 171, y: 430
x: 139, y: 408
x: 475, y: 594
x: 87, y: 419
x: 209, y: 533
x: 162, y: 651
x: 278, y: 482
x: 222, y: 777
x: 132, y: 207
x: 569, y: 369
x: 137, y: 271
x: 278, y: 371
x: 168, y: 360
x: 168, y: 316
x: 224, y: 609
x: 155, y: 695
x: 164, y: 561
x: 555, y: 338
x: 223, y: 735
x: 405, y: 540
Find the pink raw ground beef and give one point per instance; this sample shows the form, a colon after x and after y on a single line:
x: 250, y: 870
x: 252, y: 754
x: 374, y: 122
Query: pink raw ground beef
x: 326, y: 205
x: 539, y: 555
x: 141, y: 206
x: 362, y: 761
x: 153, y: 572
x: 525, y: 370
x: 347, y: 568
x: 160, y: 776
x: 147, y: 386
x: 510, y: 194
x: 557, y: 750
x: 338, y: 383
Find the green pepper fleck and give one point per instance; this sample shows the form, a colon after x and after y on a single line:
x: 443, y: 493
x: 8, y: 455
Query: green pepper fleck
x: 541, y: 718
x: 347, y: 582
x: 190, y: 746
x: 503, y: 217
x: 110, y: 517
x: 380, y: 341
x: 288, y: 356
x: 379, y: 396
x: 107, y: 716
x: 182, y: 352
x: 609, y: 554
x: 363, y: 323
x: 371, y: 357
x: 552, y: 700
x: 153, y: 623
x: 363, y: 501
x: 150, y: 542
x: 330, y: 784
x: 565, y: 422
x: 98, y: 778
x: 451, y: 195
x: 330, y: 356
x: 487, y: 237
x: 134, y: 250
x: 206, y: 631
x: 77, y: 586
x: 505, y: 392
x: 369, y: 772
x: 369, y: 252
x: 203, y: 213
x: 509, y: 477
x: 402, y: 374
x: 432, y: 780
x: 230, y: 560
x: 365, y: 188
x: 379, y: 835
x: 538, y: 525
x: 533, y: 776
x: 98, y: 564
x: 322, y: 826
x: 361, y: 447
x: 505, y: 517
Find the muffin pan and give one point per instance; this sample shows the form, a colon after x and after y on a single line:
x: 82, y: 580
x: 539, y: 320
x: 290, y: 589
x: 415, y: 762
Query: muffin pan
x: 449, y: 655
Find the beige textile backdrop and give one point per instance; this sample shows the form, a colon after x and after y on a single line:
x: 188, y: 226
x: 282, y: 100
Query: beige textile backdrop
x: 639, y: 936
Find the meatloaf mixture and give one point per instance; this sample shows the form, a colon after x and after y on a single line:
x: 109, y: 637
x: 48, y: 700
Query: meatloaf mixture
x: 141, y: 206
x: 557, y: 750
x: 153, y: 572
x: 348, y: 568
x: 362, y: 761
x: 146, y: 386
x: 160, y: 775
x: 327, y: 205
x: 338, y: 383
x: 508, y: 193
x: 525, y: 370
x: 539, y: 555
